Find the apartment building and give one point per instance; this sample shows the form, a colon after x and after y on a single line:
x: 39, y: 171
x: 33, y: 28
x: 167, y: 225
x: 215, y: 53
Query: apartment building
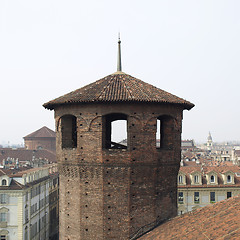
x: 200, y: 184
x: 24, y: 203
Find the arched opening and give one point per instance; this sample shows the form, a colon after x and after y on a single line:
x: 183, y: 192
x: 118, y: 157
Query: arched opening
x: 180, y: 179
x: 164, y: 133
x: 212, y: 179
x: 229, y: 179
x: 4, y: 182
x: 69, y: 131
x: 115, y: 131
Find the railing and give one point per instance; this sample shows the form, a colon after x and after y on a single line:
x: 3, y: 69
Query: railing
x: 115, y: 145
x: 146, y: 228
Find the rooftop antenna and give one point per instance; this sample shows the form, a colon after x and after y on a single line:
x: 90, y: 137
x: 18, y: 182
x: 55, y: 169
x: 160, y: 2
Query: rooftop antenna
x: 119, y: 63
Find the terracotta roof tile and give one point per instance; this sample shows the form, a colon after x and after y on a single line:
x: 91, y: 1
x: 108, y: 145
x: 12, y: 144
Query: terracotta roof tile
x: 43, y: 132
x: 26, y: 155
x: 118, y: 87
x: 216, y: 221
x: 203, y: 169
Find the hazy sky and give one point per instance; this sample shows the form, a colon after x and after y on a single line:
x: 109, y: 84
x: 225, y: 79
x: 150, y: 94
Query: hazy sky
x: 188, y: 48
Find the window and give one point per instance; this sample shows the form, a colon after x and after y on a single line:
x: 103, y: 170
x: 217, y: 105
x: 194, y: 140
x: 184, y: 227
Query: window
x: 26, y: 215
x: 158, y: 134
x: 26, y: 197
x: 212, y: 179
x: 34, y: 208
x: 3, y: 198
x: 164, y: 132
x: 180, y: 179
x: 196, y: 179
x: 112, y: 122
x: 196, y: 197
x: 229, y: 194
x: 3, y: 217
x: 212, y: 197
x: 3, y: 237
x: 32, y: 193
x: 4, y: 182
x: 69, y: 131
x: 26, y: 233
x: 180, y: 197
x: 229, y: 179
x: 33, y: 230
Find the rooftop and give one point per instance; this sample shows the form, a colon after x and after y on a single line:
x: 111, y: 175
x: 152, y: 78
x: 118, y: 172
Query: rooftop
x: 43, y: 132
x: 118, y: 87
x: 216, y: 221
x: 26, y: 155
x: 205, y: 169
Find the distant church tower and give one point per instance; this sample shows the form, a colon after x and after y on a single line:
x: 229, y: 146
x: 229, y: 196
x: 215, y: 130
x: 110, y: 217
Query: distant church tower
x: 110, y: 190
x: 209, y: 141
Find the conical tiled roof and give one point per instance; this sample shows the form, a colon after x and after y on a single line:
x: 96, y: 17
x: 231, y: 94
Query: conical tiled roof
x: 43, y: 132
x: 118, y: 87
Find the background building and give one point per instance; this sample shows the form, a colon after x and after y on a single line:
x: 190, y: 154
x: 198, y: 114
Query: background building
x: 188, y: 145
x: 202, y: 183
x: 43, y: 138
x: 24, y: 203
x: 40, y: 149
x: 19, y: 157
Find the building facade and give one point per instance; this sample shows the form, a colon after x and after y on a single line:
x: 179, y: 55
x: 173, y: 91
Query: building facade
x: 24, y: 204
x: 43, y: 138
x: 200, y: 185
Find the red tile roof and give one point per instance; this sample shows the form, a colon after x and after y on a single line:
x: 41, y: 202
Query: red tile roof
x: 6, y: 171
x: 118, y: 87
x: 216, y: 221
x: 204, y: 169
x: 43, y: 132
x: 26, y: 155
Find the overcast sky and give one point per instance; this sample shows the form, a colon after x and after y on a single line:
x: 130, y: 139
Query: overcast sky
x: 188, y: 48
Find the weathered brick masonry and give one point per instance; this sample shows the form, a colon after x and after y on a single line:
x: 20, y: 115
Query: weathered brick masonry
x: 110, y: 191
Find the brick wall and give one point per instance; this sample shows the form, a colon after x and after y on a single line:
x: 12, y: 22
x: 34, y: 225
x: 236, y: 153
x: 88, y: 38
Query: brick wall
x: 112, y: 193
x: 43, y: 143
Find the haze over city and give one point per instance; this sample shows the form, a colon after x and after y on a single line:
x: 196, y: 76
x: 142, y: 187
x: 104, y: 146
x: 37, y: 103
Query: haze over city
x: 188, y: 48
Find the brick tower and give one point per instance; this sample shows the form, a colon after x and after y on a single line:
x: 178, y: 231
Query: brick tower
x: 112, y: 190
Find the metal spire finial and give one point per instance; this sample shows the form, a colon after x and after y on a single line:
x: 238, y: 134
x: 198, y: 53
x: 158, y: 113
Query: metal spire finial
x: 119, y: 63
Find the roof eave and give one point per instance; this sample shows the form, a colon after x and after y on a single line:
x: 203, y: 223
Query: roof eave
x: 52, y: 106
